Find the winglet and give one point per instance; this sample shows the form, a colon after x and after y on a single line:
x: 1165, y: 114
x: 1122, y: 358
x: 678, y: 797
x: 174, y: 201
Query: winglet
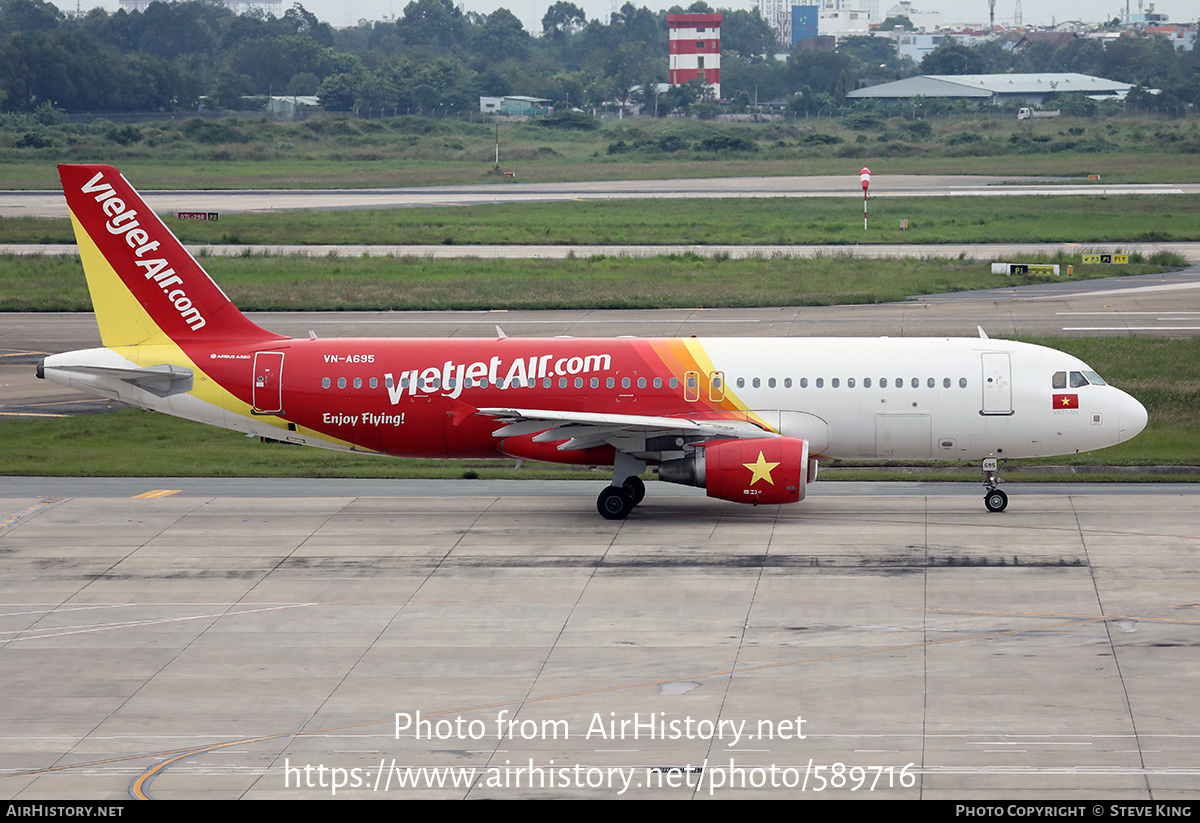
x: 982, y: 333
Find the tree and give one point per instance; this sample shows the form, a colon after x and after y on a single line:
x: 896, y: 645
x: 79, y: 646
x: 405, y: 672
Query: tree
x: 952, y: 57
x: 303, y: 83
x: 339, y: 91
x: 563, y: 18
x: 747, y: 34
x: 28, y: 15
x: 900, y: 20
x: 432, y: 25
x: 823, y: 71
x: 501, y: 37
x: 304, y: 22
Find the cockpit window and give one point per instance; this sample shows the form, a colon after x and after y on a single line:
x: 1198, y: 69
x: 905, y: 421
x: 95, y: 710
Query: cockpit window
x: 1077, y: 379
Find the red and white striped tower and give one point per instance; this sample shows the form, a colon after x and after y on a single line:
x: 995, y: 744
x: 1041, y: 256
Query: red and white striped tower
x: 696, y: 49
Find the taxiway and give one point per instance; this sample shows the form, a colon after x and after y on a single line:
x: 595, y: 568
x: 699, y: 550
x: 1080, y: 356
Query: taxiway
x: 181, y: 638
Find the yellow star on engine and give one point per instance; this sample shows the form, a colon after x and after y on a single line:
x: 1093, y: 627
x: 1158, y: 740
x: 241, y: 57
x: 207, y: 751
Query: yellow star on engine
x: 761, y: 469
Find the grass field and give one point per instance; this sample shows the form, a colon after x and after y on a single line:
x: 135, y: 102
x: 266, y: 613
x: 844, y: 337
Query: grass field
x: 1163, y: 374
x: 300, y: 283
x: 777, y: 221
x: 332, y: 152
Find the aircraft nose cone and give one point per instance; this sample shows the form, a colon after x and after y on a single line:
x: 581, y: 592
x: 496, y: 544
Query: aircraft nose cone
x: 1131, y: 417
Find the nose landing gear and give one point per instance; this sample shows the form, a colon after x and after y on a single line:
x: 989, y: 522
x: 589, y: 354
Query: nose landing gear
x: 994, y: 499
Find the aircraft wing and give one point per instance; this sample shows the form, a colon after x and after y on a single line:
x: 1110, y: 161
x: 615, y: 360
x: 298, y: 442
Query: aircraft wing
x: 634, y: 434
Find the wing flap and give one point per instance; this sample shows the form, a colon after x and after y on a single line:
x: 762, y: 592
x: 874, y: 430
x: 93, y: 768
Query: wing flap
x: 584, y: 430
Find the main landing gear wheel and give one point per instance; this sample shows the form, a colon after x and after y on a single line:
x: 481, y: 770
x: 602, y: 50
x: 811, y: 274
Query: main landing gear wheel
x: 995, y: 500
x: 615, y: 503
x: 636, y: 489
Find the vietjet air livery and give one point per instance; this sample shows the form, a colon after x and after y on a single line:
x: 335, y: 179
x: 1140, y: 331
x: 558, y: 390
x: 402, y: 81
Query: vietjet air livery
x: 744, y: 419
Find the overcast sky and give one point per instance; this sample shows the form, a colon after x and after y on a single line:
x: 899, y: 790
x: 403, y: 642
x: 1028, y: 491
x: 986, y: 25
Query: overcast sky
x: 1038, y: 12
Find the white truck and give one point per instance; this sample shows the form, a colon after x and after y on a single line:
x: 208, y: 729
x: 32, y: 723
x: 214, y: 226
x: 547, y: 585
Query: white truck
x: 1036, y: 114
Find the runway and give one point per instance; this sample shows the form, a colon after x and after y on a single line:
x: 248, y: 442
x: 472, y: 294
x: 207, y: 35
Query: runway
x: 50, y: 203
x: 256, y: 639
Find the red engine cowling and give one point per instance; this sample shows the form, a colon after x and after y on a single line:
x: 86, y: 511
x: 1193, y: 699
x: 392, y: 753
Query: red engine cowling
x: 761, y: 470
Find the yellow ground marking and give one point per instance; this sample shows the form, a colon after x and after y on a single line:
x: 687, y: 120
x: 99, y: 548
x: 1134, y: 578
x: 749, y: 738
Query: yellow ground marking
x: 30, y: 414
x: 159, y: 493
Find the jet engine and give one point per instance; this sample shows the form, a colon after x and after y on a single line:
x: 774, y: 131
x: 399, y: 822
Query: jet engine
x: 760, y: 470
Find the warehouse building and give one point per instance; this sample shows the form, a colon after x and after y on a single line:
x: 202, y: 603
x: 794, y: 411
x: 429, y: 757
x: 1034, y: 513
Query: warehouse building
x: 1031, y: 89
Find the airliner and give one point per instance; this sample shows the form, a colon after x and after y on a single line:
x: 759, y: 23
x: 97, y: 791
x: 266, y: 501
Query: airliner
x: 747, y: 420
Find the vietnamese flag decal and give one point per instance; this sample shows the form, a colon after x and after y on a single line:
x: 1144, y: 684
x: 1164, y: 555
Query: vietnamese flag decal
x: 1066, y: 401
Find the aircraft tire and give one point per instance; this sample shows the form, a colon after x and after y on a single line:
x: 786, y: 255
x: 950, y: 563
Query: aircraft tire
x: 614, y: 503
x: 995, y: 500
x: 636, y: 489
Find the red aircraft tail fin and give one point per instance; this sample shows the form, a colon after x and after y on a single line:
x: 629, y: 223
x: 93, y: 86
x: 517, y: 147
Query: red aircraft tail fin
x: 145, y: 287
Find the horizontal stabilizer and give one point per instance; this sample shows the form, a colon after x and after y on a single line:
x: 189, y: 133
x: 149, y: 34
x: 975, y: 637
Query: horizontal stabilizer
x: 162, y: 381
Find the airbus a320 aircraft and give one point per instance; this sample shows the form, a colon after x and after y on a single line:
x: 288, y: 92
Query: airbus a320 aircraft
x: 745, y: 419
